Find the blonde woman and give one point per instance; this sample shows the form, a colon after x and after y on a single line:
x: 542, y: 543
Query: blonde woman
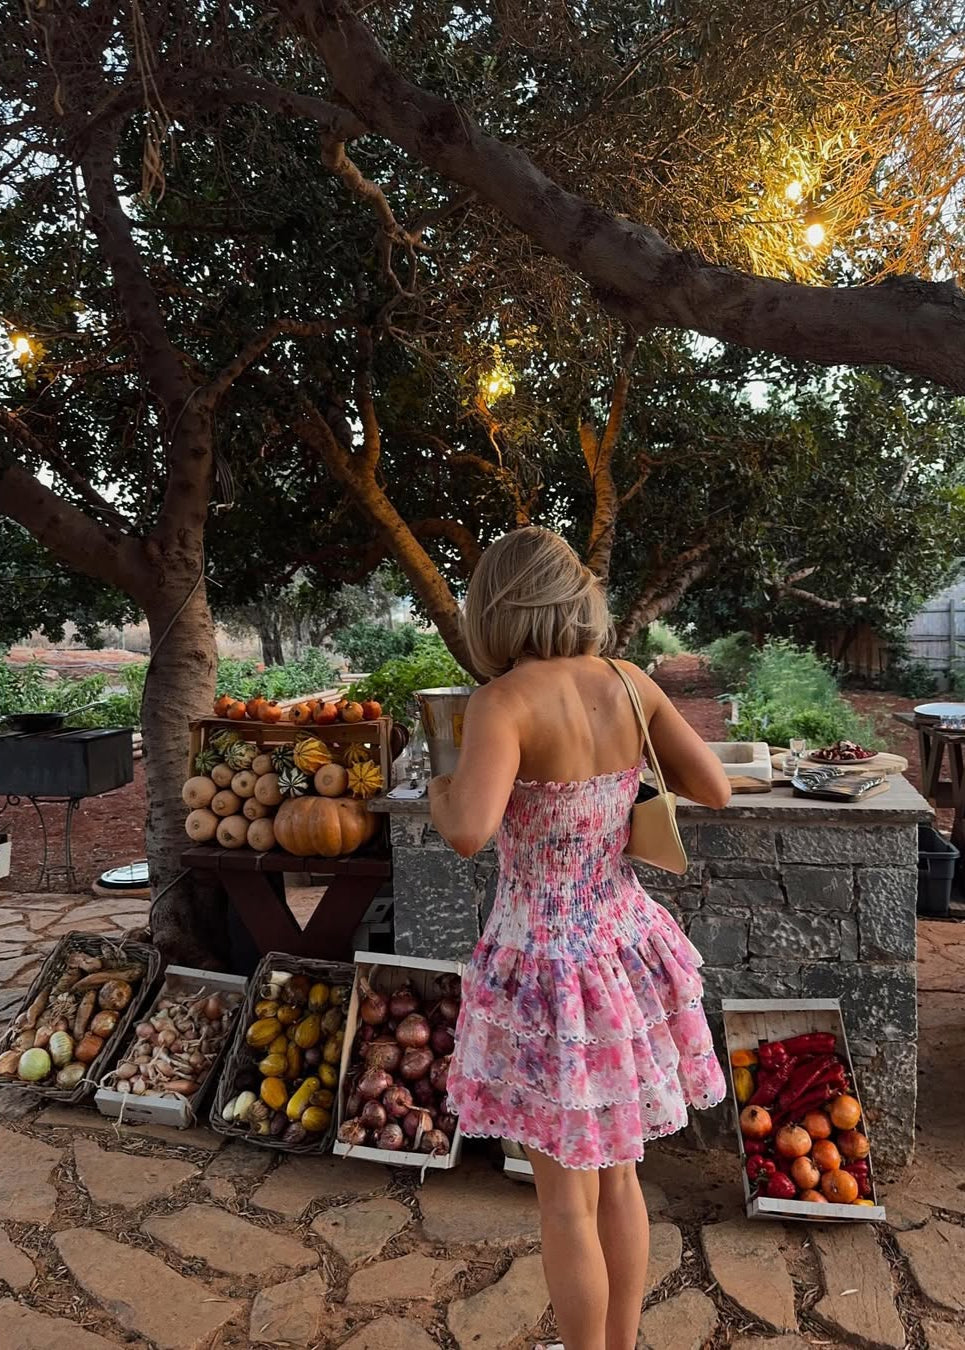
x: 581, y: 1034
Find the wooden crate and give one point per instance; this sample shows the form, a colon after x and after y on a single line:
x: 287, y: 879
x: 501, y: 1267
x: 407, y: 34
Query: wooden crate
x: 385, y: 974
x: 376, y: 735
x: 748, y: 1022
x: 177, y: 1112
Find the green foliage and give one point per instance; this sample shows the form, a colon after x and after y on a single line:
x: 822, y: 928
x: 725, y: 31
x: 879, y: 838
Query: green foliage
x: 659, y: 639
x: 429, y: 666
x: 789, y: 691
x: 912, y: 679
x: 367, y: 645
x: 729, y: 658
x: 310, y: 672
x: 27, y: 689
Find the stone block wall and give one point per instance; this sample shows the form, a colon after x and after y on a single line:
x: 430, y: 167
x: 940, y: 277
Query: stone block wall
x: 781, y: 908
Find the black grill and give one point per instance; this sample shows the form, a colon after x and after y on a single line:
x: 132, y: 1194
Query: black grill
x: 65, y: 763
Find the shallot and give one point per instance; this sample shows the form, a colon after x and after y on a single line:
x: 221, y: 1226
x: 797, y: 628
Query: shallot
x: 373, y: 1083
x: 413, y: 1032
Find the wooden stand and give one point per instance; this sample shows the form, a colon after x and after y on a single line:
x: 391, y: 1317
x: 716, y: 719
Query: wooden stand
x: 933, y: 741
x: 255, y: 885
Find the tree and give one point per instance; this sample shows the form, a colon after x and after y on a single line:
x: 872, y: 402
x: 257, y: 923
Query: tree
x: 233, y: 312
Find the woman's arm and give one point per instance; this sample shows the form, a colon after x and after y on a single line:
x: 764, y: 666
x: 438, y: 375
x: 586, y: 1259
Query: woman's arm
x: 468, y: 805
x: 691, y: 770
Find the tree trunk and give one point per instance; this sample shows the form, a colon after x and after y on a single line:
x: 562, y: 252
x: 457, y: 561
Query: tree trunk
x: 270, y: 635
x: 187, y: 918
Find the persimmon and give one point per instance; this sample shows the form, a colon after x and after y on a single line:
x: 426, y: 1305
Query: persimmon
x: 839, y: 1187
x: 817, y: 1125
x: 792, y: 1141
x: 826, y: 1155
x: 805, y: 1174
x: 853, y: 1145
x: 755, y: 1122
x: 845, y: 1112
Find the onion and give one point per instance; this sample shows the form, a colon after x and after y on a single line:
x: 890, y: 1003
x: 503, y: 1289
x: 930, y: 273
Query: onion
x: 416, y: 1064
x: 413, y: 1032
x: 447, y: 1010
x: 442, y: 1040
x: 373, y: 1115
x: 373, y: 1083
x: 373, y: 1009
x: 383, y: 1054
x: 411, y: 1122
x: 366, y: 1034
x: 397, y: 1100
x: 422, y: 1093
x: 353, y: 1103
x: 391, y: 1137
x: 144, y: 1031
x: 439, y: 1074
x: 403, y: 1002
x: 213, y: 1008
x: 434, y: 1141
x: 351, y: 1132
x: 447, y: 1124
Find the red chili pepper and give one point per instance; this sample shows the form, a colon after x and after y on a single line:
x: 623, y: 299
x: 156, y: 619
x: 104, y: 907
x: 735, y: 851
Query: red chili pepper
x: 752, y: 1146
x: 770, y: 1082
x: 771, y: 1054
x: 813, y: 1043
x: 805, y: 1076
x: 809, y: 1102
x: 780, y: 1187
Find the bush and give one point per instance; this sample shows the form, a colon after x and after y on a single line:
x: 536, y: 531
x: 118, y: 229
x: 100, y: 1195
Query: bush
x: 310, y: 672
x: 429, y: 666
x: 789, y: 691
x: 913, y: 679
x: 657, y: 640
x: 729, y: 658
x: 367, y: 645
x: 28, y: 689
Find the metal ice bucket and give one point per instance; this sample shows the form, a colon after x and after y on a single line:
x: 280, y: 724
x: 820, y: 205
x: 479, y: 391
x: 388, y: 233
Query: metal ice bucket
x: 442, y: 712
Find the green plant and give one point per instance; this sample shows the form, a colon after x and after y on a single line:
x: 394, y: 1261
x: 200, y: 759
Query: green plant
x: 367, y: 645
x: 729, y: 658
x: 429, y: 666
x: 28, y: 689
x: 789, y: 691
x: 310, y: 672
x: 656, y: 640
x: 913, y: 679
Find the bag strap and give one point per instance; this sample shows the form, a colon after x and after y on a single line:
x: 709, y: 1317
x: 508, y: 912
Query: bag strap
x: 631, y: 689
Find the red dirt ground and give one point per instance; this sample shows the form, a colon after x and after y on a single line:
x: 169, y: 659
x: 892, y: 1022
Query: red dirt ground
x: 110, y: 829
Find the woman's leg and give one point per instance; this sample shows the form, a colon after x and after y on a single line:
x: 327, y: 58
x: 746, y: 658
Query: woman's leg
x: 625, y: 1238
x: 572, y: 1255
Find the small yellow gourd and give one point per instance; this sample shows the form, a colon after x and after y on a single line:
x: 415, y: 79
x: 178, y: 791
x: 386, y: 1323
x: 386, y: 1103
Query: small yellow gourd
x: 274, y: 1093
x: 299, y: 1100
x: 307, y: 1032
x: 261, y: 1033
x: 315, y: 1119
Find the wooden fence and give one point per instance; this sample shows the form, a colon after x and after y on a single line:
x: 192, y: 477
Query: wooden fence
x: 936, y: 637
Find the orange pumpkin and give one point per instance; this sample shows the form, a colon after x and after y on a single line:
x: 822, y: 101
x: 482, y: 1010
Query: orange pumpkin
x: 324, y: 827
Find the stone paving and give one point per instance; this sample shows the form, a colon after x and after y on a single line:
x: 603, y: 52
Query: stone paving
x: 159, y: 1239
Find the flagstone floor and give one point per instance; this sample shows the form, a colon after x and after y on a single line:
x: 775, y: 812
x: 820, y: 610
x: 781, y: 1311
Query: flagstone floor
x: 144, y: 1237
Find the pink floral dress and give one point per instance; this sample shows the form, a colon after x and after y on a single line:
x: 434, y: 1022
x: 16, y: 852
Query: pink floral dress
x: 581, y: 1032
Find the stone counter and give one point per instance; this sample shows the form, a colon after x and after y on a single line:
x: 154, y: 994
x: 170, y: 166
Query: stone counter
x: 783, y: 898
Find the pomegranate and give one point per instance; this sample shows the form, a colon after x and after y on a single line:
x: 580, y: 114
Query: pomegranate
x: 792, y: 1141
x: 817, y: 1125
x: 826, y: 1155
x: 845, y: 1112
x: 806, y: 1175
x: 853, y: 1145
x: 813, y: 1197
x: 755, y: 1122
x: 840, y: 1188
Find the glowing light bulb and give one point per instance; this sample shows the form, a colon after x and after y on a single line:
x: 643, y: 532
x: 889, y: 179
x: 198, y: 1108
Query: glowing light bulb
x: 794, y: 190
x: 22, y: 346
x: 815, y: 233
x: 496, y: 386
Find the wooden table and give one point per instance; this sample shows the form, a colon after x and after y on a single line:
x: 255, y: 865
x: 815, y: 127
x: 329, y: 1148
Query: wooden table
x: 255, y: 885
x: 933, y: 742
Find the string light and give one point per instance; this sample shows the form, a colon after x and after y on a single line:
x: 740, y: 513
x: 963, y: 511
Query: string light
x: 794, y: 190
x: 22, y: 346
x: 814, y: 234
x: 497, y: 385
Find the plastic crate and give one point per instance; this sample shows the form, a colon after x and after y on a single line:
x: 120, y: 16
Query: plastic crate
x: 937, y: 861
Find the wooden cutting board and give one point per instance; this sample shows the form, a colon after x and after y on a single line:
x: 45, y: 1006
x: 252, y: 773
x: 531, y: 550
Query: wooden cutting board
x: 882, y: 763
x: 739, y: 783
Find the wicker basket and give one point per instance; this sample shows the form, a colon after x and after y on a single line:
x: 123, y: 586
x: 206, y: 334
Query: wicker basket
x: 239, y: 1055
x: 92, y: 945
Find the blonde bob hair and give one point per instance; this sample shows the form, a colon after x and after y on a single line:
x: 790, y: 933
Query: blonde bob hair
x: 531, y: 596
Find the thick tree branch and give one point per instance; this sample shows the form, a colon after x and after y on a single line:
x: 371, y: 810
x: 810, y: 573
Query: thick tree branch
x: 65, y: 530
x: 665, y: 589
x: 456, y: 533
x: 598, y: 451
x: 18, y: 431
x: 252, y: 351
x: 914, y: 325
